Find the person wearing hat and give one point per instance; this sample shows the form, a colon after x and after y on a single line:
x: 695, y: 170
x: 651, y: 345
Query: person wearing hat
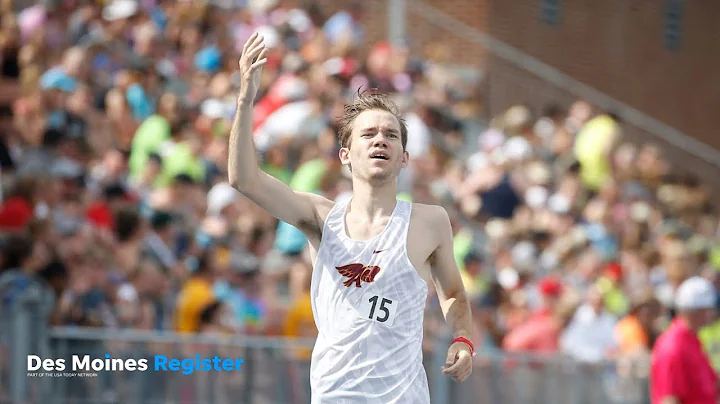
x: 551, y: 290
x: 610, y: 284
x: 541, y: 334
x: 680, y: 369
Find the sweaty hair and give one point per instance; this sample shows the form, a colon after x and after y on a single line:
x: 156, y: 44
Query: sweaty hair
x: 368, y: 101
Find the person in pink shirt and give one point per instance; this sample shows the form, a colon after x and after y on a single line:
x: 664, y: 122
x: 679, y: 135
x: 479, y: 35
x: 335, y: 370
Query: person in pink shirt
x: 680, y: 369
x: 541, y: 333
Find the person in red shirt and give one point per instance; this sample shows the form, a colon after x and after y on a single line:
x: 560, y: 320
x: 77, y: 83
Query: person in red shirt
x: 541, y: 332
x: 680, y: 369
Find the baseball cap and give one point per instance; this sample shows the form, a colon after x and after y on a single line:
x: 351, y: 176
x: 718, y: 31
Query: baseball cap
x: 550, y: 286
x: 696, y: 293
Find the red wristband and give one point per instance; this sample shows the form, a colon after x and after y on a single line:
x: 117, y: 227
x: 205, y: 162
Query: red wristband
x: 468, y: 342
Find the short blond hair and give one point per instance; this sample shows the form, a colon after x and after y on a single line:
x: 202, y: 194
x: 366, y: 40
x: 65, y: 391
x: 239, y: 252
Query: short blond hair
x: 369, y: 101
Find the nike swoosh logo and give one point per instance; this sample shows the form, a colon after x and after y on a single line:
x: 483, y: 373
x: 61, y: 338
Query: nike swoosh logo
x: 378, y: 251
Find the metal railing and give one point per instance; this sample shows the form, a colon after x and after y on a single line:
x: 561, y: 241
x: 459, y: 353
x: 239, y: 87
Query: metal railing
x: 273, y: 370
x: 265, y: 363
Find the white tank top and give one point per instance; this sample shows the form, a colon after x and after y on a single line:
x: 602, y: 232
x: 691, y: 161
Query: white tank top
x: 369, y: 304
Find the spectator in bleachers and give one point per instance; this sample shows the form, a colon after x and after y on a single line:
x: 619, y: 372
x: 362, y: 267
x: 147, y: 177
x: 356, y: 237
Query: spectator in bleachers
x: 300, y: 322
x: 473, y: 277
x: 239, y: 277
x: 489, y: 317
x: 595, y: 143
x: 23, y: 260
x: 590, y: 335
x: 113, y: 144
x: 138, y: 298
x: 159, y: 241
x: 637, y: 332
x: 541, y: 334
x: 214, y: 319
x: 196, y: 294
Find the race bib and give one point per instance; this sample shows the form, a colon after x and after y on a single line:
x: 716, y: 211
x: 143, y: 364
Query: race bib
x: 379, y: 309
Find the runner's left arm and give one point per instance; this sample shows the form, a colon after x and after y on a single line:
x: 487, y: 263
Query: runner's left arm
x: 453, y: 299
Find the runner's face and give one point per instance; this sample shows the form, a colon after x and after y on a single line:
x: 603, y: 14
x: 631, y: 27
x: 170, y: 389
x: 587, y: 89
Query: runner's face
x: 376, y: 152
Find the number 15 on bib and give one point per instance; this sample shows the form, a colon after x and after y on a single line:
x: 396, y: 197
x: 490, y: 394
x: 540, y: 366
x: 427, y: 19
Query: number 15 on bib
x: 378, y: 309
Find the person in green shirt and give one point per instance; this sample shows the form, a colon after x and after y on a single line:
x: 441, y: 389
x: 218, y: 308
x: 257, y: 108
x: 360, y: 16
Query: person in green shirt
x: 154, y: 132
x: 151, y: 134
x: 610, y: 283
x: 710, y: 338
x: 182, y: 158
x: 474, y: 280
x: 309, y: 177
x: 594, y: 145
x: 276, y: 163
x: 710, y: 335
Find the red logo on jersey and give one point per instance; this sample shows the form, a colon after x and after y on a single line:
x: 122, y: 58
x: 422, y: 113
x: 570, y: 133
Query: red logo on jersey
x: 358, y: 273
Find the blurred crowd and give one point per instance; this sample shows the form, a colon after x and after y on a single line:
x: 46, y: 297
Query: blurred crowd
x: 115, y: 209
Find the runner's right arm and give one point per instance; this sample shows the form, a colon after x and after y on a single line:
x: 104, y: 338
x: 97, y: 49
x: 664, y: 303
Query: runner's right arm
x: 299, y: 209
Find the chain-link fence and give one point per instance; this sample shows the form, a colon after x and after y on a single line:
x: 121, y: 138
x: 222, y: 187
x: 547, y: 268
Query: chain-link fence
x: 24, y: 309
x: 262, y: 370
x: 529, y: 379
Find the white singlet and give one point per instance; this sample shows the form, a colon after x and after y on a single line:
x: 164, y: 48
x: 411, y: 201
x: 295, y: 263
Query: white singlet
x: 369, y: 305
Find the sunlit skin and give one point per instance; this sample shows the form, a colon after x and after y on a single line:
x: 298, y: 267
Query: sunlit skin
x: 374, y: 153
x: 375, y: 132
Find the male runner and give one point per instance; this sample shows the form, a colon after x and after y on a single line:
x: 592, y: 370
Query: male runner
x: 370, y: 256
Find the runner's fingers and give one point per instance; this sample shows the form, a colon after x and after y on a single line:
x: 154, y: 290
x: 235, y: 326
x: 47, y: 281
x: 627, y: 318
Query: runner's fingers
x: 254, y: 51
x: 261, y: 59
x: 250, y: 42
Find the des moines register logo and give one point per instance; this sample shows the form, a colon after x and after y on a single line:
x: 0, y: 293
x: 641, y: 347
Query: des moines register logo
x: 88, y: 366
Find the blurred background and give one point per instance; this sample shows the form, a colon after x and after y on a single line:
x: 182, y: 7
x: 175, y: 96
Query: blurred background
x: 573, y: 144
